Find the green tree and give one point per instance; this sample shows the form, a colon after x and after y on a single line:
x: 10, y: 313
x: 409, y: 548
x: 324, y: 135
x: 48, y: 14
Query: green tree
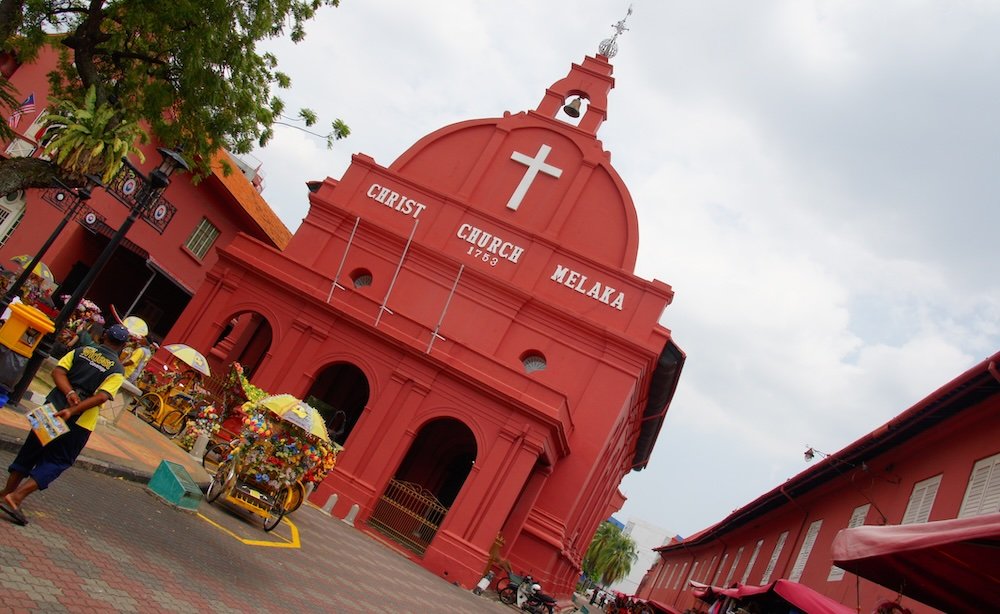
x: 610, y: 556
x: 189, y: 70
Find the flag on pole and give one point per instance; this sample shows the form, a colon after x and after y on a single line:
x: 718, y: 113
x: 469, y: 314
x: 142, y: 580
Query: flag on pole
x: 28, y: 106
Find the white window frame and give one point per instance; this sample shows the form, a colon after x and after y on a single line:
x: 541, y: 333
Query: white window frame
x: 13, y: 207
x: 858, y: 518
x: 27, y: 146
x: 918, y: 510
x: 982, y: 495
x: 805, y: 551
x: 778, y: 547
x: 200, y: 241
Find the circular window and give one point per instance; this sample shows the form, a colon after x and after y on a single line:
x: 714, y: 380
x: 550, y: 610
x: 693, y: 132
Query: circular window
x: 533, y: 361
x: 362, y: 278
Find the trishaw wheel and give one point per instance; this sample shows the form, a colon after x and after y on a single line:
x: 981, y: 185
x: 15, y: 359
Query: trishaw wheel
x: 221, y: 481
x: 148, y: 406
x: 214, y: 489
x: 294, y: 496
x: 275, y: 514
x: 173, y: 423
x: 213, y: 456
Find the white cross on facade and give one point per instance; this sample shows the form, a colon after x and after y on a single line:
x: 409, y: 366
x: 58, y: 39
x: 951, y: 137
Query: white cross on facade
x: 534, y: 165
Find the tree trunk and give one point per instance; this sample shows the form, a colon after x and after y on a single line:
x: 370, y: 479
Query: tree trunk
x: 22, y: 173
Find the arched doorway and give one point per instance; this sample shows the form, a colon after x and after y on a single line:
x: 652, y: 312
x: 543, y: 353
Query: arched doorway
x: 418, y: 497
x: 245, y: 338
x: 340, y: 393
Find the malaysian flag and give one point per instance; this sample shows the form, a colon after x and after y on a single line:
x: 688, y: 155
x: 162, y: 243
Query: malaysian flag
x: 28, y: 106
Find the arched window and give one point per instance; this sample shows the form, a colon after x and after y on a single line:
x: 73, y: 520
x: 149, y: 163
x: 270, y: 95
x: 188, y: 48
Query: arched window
x: 12, y: 207
x: 533, y: 361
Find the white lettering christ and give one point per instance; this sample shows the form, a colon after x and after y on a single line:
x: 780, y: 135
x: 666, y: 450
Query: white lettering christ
x: 534, y: 165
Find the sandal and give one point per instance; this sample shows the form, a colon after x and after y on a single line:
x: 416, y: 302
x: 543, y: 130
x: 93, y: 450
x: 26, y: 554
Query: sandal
x: 16, y: 516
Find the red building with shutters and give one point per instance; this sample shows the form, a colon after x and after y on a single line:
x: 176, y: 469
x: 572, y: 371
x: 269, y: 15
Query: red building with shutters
x: 938, y: 460
x: 165, y: 255
x: 468, y: 321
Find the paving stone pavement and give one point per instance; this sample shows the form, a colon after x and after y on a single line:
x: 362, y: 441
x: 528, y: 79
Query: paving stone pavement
x: 97, y: 543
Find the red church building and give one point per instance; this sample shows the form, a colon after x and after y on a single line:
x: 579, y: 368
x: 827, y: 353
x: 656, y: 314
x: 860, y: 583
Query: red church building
x: 938, y: 460
x: 468, y: 321
x: 165, y: 255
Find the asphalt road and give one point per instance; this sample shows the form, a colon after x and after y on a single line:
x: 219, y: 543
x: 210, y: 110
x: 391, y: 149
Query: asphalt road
x: 97, y: 543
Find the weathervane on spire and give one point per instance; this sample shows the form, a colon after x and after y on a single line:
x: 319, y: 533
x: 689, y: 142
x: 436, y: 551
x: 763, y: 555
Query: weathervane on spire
x: 609, y: 46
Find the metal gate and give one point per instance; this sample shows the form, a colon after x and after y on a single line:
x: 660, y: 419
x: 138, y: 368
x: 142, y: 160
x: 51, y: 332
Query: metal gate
x: 408, y: 514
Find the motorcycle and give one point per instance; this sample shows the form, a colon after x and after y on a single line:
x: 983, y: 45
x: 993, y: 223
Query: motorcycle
x: 528, y: 596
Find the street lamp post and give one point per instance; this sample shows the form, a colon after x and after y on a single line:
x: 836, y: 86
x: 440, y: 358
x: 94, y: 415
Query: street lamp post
x: 149, y: 190
x: 82, y: 195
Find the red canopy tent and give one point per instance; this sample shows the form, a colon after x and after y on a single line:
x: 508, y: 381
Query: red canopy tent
x: 662, y: 608
x: 952, y: 565
x: 799, y: 595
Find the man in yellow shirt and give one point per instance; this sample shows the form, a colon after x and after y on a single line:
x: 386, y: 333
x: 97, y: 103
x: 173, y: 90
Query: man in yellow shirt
x: 137, y: 359
x: 84, y: 380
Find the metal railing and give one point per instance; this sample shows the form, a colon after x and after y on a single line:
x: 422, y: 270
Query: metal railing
x: 408, y: 514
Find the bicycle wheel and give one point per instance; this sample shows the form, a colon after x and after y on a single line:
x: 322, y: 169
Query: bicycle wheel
x: 275, y: 514
x: 509, y: 594
x: 295, y: 495
x: 214, y: 455
x: 222, y: 481
x: 148, y: 406
x: 173, y: 423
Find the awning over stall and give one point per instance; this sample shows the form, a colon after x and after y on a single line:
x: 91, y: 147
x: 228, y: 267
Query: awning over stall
x: 952, y: 565
x: 799, y: 595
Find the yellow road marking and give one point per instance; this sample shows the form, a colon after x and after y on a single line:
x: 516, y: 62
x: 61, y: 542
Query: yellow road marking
x: 293, y: 543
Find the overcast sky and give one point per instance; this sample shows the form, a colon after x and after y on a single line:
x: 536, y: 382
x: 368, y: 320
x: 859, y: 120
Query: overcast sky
x: 817, y: 181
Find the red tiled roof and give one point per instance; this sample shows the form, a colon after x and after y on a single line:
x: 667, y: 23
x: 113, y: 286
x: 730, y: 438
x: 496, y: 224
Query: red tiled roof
x: 252, y: 202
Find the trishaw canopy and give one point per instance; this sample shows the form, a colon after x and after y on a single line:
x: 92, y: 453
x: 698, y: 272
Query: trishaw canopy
x: 297, y: 412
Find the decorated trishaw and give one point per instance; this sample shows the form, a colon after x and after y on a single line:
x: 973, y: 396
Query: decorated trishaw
x: 172, y: 397
x: 283, y: 446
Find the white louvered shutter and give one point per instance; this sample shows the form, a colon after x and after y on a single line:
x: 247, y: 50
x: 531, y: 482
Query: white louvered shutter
x: 718, y: 572
x: 805, y: 551
x: 921, y: 501
x: 857, y: 519
x: 774, y: 558
x: 732, y: 570
x: 982, y: 496
x: 753, y: 559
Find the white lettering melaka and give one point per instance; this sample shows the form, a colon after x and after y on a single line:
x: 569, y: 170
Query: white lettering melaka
x: 394, y: 200
x: 595, y: 290
x: 489, y: 243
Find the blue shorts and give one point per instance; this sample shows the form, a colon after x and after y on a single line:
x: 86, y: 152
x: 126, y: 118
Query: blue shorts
x: 45, y: 463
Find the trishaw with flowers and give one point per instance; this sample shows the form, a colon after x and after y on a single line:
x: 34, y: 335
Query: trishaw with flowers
x: 172, y: 397
x: 282, y: 447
